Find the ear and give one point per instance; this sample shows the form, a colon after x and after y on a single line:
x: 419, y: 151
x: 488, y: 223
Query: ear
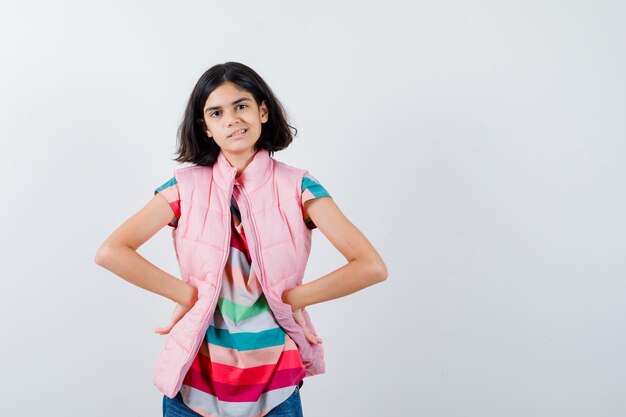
x: 265, y: 115
x: 204, y: 127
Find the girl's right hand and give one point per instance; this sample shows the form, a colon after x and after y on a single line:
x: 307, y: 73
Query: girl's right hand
x: 178, y: 313
x: 180, y: 310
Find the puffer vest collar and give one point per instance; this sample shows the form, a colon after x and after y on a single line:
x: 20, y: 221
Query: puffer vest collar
x: 254, y: 175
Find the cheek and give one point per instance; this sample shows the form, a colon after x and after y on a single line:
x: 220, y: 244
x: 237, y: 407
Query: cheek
x: 208, y: 128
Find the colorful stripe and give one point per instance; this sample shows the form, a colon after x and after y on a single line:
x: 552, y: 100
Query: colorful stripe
x: 233, y: 375
x: 244, y: 340
x: 246, y: 358
x: 311, y: 188
x: 261, y: 322
x: 241, y: 392
x: 169, y: 190
x: 208, y: 406
x: 238, y: 312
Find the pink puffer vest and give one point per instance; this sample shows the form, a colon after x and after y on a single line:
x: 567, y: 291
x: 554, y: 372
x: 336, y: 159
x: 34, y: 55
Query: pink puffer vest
x: 279, y: 243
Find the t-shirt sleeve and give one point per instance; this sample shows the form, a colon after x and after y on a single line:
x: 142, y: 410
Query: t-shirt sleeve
x: 311, y: 188
x: 169, y: 190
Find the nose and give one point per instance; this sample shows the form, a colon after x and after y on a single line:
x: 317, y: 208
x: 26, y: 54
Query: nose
x: 231, y: 118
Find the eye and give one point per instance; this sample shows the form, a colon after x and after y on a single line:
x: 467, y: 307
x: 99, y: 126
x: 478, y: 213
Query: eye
x: 213, y: 114
x: 242, y: 105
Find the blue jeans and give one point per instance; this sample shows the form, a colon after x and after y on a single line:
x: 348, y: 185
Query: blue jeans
x: 291, y: 407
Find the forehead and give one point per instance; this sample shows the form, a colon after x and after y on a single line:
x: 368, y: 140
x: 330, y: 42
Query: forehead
x: 225, y: 94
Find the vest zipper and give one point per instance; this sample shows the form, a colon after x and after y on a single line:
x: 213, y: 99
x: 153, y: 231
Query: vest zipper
x: 260, y: 270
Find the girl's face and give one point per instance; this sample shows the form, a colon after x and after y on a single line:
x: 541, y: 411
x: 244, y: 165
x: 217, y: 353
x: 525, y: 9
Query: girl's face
x: 229, y: 109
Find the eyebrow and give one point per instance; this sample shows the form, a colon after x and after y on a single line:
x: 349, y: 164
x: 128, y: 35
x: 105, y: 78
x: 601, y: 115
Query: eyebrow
x: 239, y: 100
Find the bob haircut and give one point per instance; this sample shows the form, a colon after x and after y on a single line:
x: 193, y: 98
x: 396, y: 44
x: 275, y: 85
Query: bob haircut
x: 195, y: 146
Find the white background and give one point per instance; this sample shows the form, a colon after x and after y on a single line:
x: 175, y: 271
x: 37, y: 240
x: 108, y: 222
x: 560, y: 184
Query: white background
x: 479, y: 145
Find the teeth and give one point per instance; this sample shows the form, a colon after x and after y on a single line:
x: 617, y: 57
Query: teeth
x: 238, y: 133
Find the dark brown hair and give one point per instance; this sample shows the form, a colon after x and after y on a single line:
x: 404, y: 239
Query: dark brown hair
x: 195, y: 146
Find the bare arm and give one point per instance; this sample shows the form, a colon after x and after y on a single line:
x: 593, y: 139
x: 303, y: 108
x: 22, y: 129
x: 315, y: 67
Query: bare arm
x: 365, y: 267
x: 119, y: 254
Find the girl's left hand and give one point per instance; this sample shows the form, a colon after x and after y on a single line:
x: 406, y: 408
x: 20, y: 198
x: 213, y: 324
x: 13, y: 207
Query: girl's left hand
x: 179, y: 312
x: 310, y: 335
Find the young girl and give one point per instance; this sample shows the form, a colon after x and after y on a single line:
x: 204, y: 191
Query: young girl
x: 240, y: 341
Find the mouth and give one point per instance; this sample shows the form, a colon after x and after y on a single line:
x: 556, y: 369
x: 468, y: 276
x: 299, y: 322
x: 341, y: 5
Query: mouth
x: 237, y: 134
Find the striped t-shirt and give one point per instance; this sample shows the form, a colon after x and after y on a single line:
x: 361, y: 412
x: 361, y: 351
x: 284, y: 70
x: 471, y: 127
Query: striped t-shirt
x: 247, y: 364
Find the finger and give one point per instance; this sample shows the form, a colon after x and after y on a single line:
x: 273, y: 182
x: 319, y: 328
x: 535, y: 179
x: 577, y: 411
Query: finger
x: 314, y: 333
x: 298, y: 319
x: 310, y: 337
x: 165, y: 330
x: 160, y: 330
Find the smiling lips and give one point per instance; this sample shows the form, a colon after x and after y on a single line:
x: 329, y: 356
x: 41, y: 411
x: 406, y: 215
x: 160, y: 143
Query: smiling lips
x: 238, y: 133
